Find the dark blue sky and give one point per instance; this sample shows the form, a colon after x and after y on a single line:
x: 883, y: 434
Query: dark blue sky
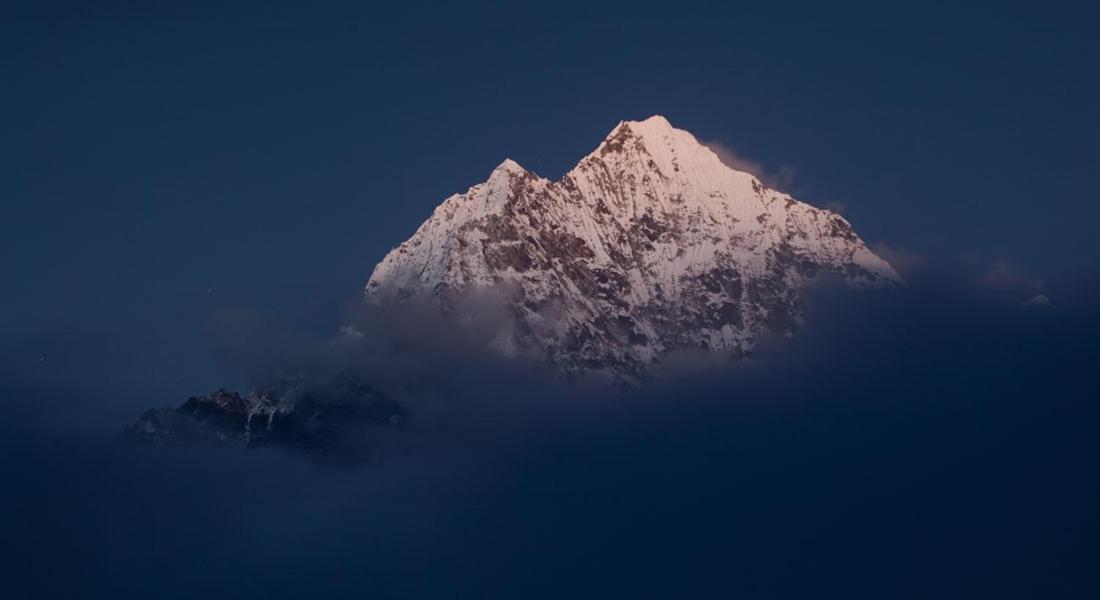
x: 163, y: 166
x: 186, y: 188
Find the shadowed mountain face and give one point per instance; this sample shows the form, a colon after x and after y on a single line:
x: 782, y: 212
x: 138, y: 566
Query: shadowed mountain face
x: 649, y: 245
x: 325, y: 420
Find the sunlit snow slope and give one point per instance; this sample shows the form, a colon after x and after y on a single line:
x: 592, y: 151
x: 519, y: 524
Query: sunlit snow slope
x: 649, y: 245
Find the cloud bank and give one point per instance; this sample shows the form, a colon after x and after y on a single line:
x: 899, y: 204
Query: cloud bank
x: 909, y: 444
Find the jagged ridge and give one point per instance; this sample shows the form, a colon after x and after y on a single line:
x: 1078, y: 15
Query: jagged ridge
x: 649, y: 245
x: 323, y: 419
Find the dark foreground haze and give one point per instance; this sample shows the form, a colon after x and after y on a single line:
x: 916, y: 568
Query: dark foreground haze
x: 931, y: 442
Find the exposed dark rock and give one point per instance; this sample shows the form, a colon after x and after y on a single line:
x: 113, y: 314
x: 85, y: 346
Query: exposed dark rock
x: 331, y: 420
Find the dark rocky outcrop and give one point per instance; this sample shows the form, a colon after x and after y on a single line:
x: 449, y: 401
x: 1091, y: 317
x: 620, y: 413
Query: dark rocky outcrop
x: 331, y: 420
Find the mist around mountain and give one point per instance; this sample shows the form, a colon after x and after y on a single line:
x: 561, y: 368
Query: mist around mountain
x: 651, y: 252
x: 931, y: 439
x: 926, y: 442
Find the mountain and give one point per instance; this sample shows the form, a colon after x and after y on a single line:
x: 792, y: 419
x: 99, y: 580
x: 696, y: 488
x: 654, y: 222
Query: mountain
x: 648, y: 246
x: 324, y: 419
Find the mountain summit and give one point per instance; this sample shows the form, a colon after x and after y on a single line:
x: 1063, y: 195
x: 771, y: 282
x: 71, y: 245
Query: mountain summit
x: 648, y: 246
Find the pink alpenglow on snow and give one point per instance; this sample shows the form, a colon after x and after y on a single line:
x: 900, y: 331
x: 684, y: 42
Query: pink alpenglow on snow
x: 648, y: 246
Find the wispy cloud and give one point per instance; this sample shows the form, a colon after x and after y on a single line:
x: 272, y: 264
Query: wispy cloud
x: 781, y: 177
x: 906, y: 262
x: 1004, y: 276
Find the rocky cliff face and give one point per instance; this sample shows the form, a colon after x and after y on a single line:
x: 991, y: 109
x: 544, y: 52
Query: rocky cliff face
x: 648, y: 246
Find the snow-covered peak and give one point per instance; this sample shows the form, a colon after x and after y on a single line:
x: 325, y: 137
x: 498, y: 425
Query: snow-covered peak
x: 656, y: 132
x: 497, y: 189
x: 654, y: 127
x: 510, y: 166
x: 654, y: 146
x: 649, y: 245
x: 504, y: 173
x: 655, y: 121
